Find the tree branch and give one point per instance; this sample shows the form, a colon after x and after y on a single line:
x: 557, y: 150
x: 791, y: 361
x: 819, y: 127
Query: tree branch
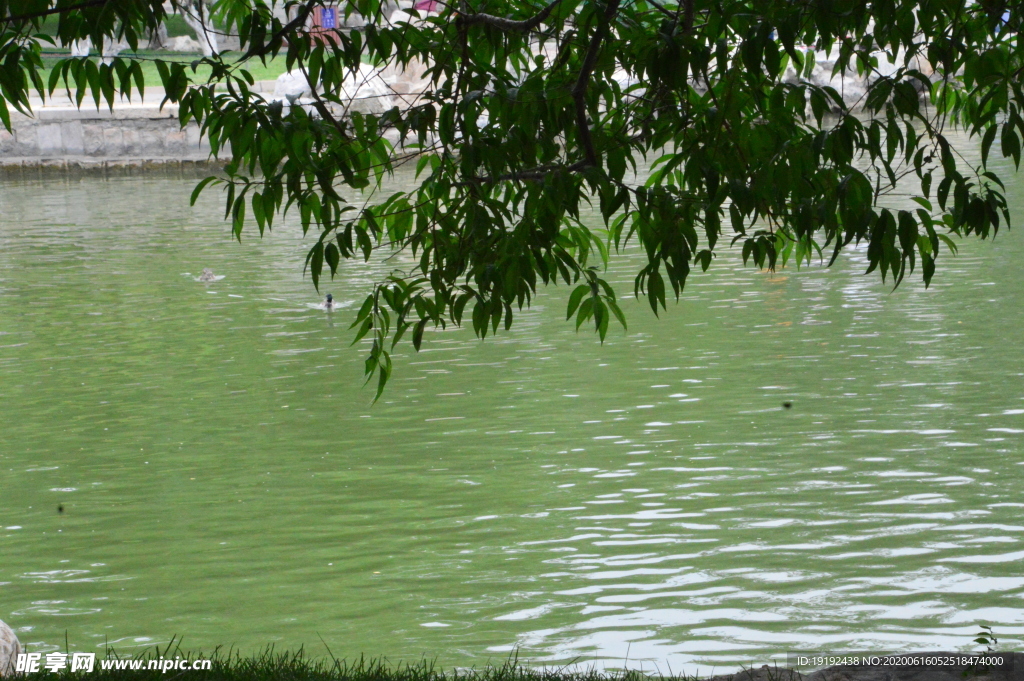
x: 295, y: 23
x: 523, y: 175
x: 579, y: 90
x: 508, y: 24
x: 53, y: 10
x: 687, y: 17
x: 321, y: 106
x: 661, y: 9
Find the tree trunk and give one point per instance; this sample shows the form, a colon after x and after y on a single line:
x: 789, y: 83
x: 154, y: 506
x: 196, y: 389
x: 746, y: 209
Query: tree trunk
x: 198, y: 19
x: 81, y: 48
x: 158, y: 38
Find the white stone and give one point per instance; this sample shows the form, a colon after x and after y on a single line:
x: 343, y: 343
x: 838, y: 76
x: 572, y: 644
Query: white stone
x: 625, y: 80
x: 10, y: 647
x: 71, y: 137
x: 49, y: 139
x: 411, y: 80
x: 183, y: 43
x: 366, y: 91
x: 851, y: 87
x: 406, y: 84
x: 113, y: 141
x: 401, y: 17
x: 291, y: 84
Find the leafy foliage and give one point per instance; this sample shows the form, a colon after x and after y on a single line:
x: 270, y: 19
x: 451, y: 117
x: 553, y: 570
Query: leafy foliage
x: 987, y: 638
x: 534, y: 113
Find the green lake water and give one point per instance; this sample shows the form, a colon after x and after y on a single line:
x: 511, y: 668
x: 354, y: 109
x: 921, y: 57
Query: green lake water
x: 224, y: 477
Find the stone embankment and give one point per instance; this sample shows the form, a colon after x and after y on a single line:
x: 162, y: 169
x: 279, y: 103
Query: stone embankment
x: 142, y: 133
x: 137, y: 133
x: 70, y: 138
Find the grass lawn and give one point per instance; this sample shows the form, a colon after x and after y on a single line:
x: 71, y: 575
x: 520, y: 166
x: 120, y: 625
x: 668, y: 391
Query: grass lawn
x: 270, y: 71
x: 275, y: 666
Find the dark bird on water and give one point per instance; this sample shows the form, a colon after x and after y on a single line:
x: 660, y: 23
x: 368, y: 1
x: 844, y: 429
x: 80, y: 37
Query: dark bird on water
x: 60, y: 508
x: 787, y: 405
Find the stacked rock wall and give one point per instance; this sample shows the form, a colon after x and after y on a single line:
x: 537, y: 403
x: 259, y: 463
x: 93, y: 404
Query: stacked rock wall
x: 89, y: 137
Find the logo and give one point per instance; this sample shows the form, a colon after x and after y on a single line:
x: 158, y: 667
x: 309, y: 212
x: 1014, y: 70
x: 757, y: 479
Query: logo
x: 29, y: 663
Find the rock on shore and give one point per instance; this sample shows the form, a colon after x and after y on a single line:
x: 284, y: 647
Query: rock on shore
x: 9, y: 649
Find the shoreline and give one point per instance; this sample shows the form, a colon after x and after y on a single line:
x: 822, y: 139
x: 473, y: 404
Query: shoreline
x: 137, y: 132
x: 30, y: 168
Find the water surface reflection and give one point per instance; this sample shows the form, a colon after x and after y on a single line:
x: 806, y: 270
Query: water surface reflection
x: 225, y: 477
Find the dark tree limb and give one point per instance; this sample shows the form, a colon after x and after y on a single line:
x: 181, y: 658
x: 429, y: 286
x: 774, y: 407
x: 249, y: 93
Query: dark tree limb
x: 579, y: 90
x: 661, y: 9
x: 53, y: 10
x: 508, y: 24
x: 292, y: 25
x: 525, y: 175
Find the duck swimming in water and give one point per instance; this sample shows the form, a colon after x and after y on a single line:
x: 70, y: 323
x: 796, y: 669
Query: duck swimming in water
x: 328, y: 303
x: 206, y: 277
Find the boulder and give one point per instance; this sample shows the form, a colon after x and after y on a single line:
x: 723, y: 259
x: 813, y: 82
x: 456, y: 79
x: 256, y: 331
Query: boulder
x: 400, y: 16
x: 10, y: 647
x: 291, y: 84
x: 183, y: 43
x: 366, y: 91
x: 410, y: 80
x: 851, y: 86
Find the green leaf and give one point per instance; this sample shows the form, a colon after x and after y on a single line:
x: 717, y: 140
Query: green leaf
x: 199, y: 188
x: 364, y: 328
x: 1011, y: 144
x: 316, y: 263
x: 5, y: 115
x: 417, y: 334
x: 921, y: 201
x: 480, y: 319
x: 986, y: 142
x: 585, y: 313
x: 333, y: 257
x: 614, y: 307
x: 383, y: 374
x: 656, y: 291
x: 950, y: 244
x: 575, y: 298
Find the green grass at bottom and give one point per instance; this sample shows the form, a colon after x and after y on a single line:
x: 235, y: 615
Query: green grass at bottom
x: 296, y: 666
